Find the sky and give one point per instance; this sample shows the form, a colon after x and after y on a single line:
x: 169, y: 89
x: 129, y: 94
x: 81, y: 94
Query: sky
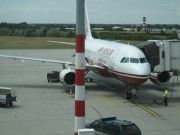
x: 100, y: 11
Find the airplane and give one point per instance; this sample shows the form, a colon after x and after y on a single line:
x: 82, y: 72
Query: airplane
x: 123, y: 62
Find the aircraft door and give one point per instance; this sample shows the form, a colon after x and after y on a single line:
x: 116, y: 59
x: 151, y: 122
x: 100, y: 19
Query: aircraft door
x: 114, y: 59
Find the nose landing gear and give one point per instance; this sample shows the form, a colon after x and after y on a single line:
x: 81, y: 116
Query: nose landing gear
x: 131, y: 93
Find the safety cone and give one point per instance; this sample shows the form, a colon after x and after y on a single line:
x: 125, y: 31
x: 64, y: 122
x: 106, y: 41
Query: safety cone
x: 70, y: 92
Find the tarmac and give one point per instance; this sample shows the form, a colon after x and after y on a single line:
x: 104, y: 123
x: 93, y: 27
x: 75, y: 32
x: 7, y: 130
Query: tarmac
x: 48, y: 109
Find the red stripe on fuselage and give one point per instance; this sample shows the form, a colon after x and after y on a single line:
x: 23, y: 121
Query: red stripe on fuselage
x: 130, y: 79
x: 124, y: 77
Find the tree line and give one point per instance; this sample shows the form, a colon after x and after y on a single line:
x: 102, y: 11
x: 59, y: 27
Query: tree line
x: 68, y: 30
x: 139, y: 36
x: 36, y: 30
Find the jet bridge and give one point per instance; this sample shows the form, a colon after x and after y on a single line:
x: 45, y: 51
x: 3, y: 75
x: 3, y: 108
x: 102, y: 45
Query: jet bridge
x: 164, y: 58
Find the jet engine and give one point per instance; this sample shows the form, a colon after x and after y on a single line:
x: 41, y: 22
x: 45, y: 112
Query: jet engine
x: 160, y: 77
x: 67, y: 77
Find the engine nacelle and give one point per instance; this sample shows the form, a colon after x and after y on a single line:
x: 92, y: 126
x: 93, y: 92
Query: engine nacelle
x: 160, y: 78
x: 67, y: 77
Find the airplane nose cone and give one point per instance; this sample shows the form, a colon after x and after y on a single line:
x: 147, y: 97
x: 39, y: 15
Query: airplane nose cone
x: 135, y: 74
x: 142, y: 69
x: 146, y: 69
x: 141, y: 72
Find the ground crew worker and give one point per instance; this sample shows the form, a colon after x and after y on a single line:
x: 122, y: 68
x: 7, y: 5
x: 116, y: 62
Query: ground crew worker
x: 133, y: 94
x: 166, y: 97
x: 128, y: 95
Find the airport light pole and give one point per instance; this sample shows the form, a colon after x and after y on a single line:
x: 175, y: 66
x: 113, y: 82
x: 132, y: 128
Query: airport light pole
x: 80, y: 67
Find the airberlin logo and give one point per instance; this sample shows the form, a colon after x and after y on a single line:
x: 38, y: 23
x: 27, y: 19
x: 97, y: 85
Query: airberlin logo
x: 105, y: 51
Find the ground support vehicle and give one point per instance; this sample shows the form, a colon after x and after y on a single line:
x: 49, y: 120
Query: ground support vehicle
x: 53, y: 77
x: 7, y: 96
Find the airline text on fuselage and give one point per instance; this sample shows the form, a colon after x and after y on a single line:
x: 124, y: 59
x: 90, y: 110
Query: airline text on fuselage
x: 105, y: 51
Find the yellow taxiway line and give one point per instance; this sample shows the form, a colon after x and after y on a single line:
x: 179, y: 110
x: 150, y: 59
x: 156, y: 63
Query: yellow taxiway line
x: 147, y: 110
x: 111, y: 102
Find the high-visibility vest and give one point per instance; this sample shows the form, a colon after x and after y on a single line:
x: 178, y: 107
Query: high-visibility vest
x: 166, y: 93
x: 133, y: 91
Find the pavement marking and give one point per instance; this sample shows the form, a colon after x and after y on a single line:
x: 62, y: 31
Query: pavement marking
x: 104, y: 98
x: 96, y: 111
x: 110, y: 101
x: 147, y: 110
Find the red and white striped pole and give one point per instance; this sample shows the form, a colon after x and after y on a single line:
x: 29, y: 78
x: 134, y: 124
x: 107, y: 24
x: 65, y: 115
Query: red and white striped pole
x: 80, y: 67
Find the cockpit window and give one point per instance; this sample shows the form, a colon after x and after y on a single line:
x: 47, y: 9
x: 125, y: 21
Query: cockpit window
x: 123, y: 59
x: 126, y: 60
x: 134, y: 60
x: 143, y: 60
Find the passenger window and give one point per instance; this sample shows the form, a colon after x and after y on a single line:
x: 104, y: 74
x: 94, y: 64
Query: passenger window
x: 134, y: 60
x: 123, y: 59
x: 126, y: 60
x: 143, y: 60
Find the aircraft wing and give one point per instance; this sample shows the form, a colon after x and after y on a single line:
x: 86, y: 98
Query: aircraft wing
x: 37, y: 59
x: 43, y: 60
x: 94, y: 68
x: 91, y: 67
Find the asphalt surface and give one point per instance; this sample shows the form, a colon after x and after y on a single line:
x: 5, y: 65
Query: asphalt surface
x: 48, y: 109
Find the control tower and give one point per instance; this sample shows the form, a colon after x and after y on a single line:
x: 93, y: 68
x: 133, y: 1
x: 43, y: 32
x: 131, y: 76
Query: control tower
x: 144, y: 22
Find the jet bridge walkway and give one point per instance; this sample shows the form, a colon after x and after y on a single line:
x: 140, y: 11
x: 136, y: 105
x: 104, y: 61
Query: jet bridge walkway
x: 164, y: 58
x: 163, y: 55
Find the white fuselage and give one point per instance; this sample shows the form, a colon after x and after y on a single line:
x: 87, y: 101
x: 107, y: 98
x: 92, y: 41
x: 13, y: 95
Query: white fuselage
x: 125, y: 62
